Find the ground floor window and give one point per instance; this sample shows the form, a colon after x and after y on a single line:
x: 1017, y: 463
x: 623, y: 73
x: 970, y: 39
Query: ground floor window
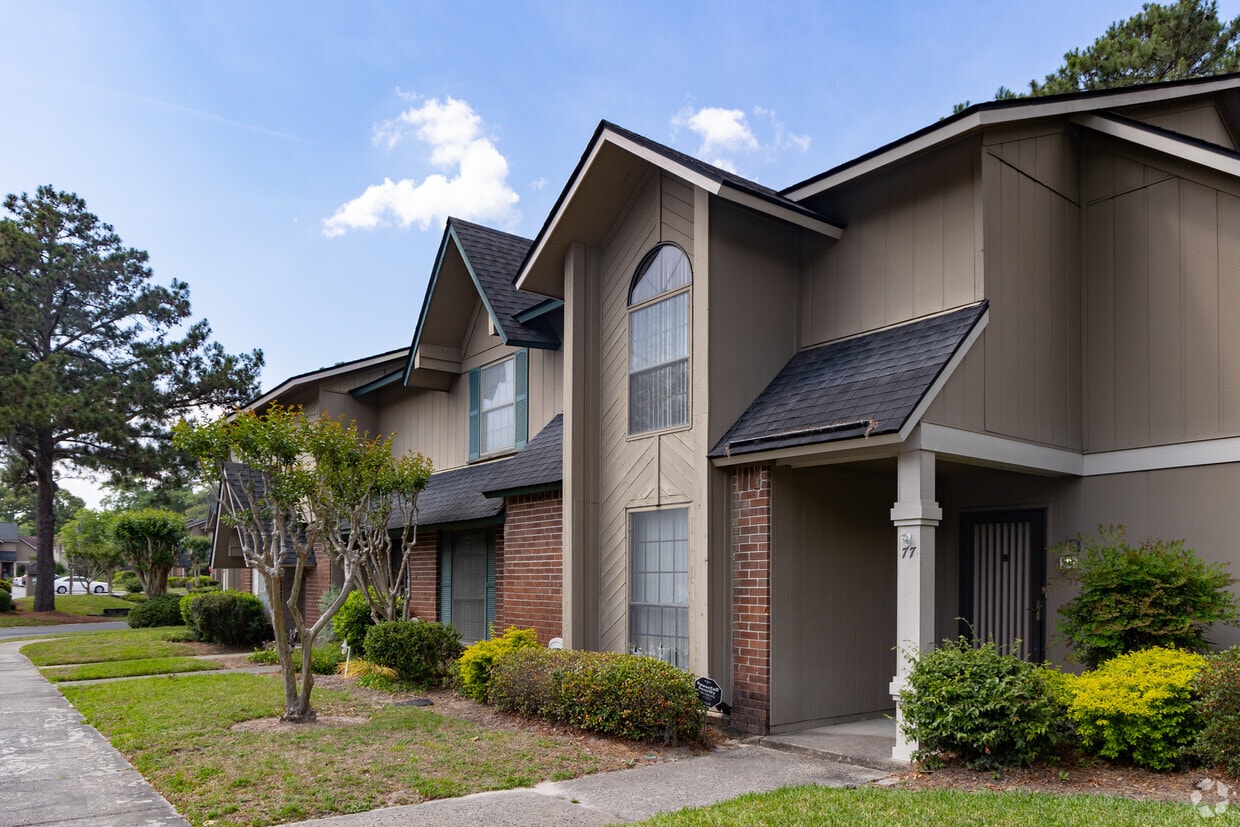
x: 659, y: 584
x: 467, y: 583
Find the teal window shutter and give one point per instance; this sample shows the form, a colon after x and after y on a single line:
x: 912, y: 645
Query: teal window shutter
x: 475, y: 401
x: 445, y: 583
x: 490, y: 602
x: 522, y: 413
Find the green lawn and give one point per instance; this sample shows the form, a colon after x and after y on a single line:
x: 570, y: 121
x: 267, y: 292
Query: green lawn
x: 182, y: 736
x: 127, y: 669
x: 124, y: 644
x: 932, y: 808
x: 81, y: 605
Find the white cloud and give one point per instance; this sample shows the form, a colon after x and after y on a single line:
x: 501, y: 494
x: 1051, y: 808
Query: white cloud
x: 728, y: 134
x: 473, y: 184
x: 538, y: 183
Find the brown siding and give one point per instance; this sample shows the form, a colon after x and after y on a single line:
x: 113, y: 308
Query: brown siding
x: 531, y: 566
x: 1197, y: 120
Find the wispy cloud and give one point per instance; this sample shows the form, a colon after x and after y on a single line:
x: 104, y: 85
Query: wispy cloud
x: 727, y: 135
x: 473, y: 184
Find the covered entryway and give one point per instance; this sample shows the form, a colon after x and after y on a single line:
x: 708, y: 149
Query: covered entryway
x: 1003, y: 580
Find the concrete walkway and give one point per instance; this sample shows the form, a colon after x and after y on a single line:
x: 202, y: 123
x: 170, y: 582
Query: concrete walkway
x: 59, y: 771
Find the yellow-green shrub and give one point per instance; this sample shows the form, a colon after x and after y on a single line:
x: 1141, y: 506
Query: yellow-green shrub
x: 474, y: 665
x: 1139, y: 707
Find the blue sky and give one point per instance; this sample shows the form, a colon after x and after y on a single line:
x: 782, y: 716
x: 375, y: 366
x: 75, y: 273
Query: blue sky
x: 294, y: 162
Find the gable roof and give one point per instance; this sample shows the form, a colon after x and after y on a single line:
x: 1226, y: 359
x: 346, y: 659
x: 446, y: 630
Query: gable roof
x: 9, y: 533
x: 860, y: 387
x: 539, y: 466
x: 609, y: 157
x: 1001, y: 112
x: 302, y: 380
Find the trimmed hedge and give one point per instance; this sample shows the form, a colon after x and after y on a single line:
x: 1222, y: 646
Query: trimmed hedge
x: 1139, y: 707
x: 1218, y: 684
x: 164, y: 610
x: 991, y: 709
x: 232, y: 618
x: 420, y: 652
x: 477, y: 661
x: 632, y: 696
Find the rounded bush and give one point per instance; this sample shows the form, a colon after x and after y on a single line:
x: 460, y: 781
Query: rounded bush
x: 231, y: 618
x: 474, y: 665
x: 631, y: 696
x: 176, y: 582
x: 164, y: 610
x: 1139, y: 707
x: 351, y: 622
x: 127, y: 581
x: 6, y: 601
x: 1218, y: 685
x: 420, y: 652
x: 992, y: 710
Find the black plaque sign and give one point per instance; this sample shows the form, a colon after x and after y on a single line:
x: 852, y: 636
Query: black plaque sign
x: 709, y: 691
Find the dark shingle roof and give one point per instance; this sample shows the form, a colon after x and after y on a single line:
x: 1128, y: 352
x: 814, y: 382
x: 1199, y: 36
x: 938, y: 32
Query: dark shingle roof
x: 495, y: 257
x: 864, y: 386
x: 540, y: 464
x: 9, y: 533
x: 247, y: 485
x: 456, y: 496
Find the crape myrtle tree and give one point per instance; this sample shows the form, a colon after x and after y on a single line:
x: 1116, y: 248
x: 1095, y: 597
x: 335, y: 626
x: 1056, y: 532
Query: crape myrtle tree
x: 96, y: 361
x: 292, y: 486
x: 150, y: 541
x: 90, y: 549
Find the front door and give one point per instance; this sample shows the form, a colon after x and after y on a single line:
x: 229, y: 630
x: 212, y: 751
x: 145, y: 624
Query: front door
x: 466, y: 587
x: 1003, y: 579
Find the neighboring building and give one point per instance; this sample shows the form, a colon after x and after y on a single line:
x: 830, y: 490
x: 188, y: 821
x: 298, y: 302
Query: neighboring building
x: 803, y: 430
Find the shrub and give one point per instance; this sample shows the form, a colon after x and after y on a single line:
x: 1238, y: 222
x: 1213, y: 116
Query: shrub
x: 991, y: 709
x: 324, y: 660
x: 1157, y: 594
x: 202, y: 581
x: 421, y: 653
x: 632, y: 696
x: 6, y: 601
x: 326, y: 599
x: 128, y: 581
x: 1218, y: 686
x: 164, y: 610
x: 6, y: 585
x: 232, y: 618
x: 176, y: 582
x: 1139, y: 707
x: 134, y: 597
x: 475, y: 664
x: 352, y: 621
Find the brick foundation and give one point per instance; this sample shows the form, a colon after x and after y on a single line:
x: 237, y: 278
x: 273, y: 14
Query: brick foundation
x: 751, y: 599
x: 529, y: 565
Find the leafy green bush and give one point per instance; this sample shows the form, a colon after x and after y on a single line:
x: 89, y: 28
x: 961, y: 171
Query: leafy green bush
x: 134, y: 597
x: 326, y: 599
x: 1157, y: 594
x: 352, y: 621
x: 474, y: 665
x: 421, y: 653
x: 631, y: 696
x: 164, y: 610
x: 6, y: 601
x: 1218, y: 704
x: 232, y: 618
x: 324, y: 660
x: 6, y: 585
x: 176, y: 582
x: 202, y: 581
x: 1139, y: 707
x: 992, y: 710
x: 127, y: 581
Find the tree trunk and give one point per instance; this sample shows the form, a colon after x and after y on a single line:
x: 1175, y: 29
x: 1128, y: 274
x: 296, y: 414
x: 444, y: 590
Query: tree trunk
x: 45, y: 526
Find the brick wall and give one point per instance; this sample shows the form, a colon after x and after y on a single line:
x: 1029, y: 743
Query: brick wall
x: 424, y: 577
x: 530, y: 580
x: 751, y: 598
x: 318, y: 580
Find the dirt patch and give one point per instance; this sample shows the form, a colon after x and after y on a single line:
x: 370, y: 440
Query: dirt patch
x: 1069, y: 777
x: 276, y: 725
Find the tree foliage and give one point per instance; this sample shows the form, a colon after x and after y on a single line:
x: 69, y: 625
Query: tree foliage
x: 19, y: 498
x: 294, y: 487
x: 96, y: 361
x: 90, y: 548
x: 150, y: 541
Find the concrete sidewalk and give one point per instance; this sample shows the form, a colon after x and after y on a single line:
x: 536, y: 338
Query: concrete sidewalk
x: 59, y: 771
x: 55, y: 768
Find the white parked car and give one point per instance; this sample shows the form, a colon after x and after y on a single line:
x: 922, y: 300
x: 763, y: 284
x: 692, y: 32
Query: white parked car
x: 80, y: 585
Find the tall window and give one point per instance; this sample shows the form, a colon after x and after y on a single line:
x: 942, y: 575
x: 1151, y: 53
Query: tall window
x: 499, y: 406
x: 659, y: 586
x: 659, y: 341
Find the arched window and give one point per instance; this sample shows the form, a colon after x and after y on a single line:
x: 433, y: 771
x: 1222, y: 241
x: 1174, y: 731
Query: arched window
x: 659, y: 341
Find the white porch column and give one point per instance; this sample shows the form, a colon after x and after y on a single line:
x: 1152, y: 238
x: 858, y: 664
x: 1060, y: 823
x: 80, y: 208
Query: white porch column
x: 915, y: 516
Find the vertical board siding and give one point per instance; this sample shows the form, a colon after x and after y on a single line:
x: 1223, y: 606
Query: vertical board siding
x: 832, y: 595
x: 1162, y: 262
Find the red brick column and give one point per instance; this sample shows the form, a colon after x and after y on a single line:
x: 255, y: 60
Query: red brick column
x: 751, y: 599
x: 317, y: 581
x: 530, y: 570
x: 424, y: 577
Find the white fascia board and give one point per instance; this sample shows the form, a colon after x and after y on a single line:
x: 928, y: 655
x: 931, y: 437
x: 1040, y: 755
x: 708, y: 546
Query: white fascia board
x: 1180, y: 455
x: 822, y: 453
x: 1219, y: 161
x: 999, y: 451
x: 933, y: 391
x: 326, y: 373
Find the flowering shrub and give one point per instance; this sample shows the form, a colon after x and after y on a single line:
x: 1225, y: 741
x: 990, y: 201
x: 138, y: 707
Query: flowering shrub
x: 991, y: 709
x: 631, y: 696
x: 1139, y: 707
x: 1219, y: 705
x: 474, y: 665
